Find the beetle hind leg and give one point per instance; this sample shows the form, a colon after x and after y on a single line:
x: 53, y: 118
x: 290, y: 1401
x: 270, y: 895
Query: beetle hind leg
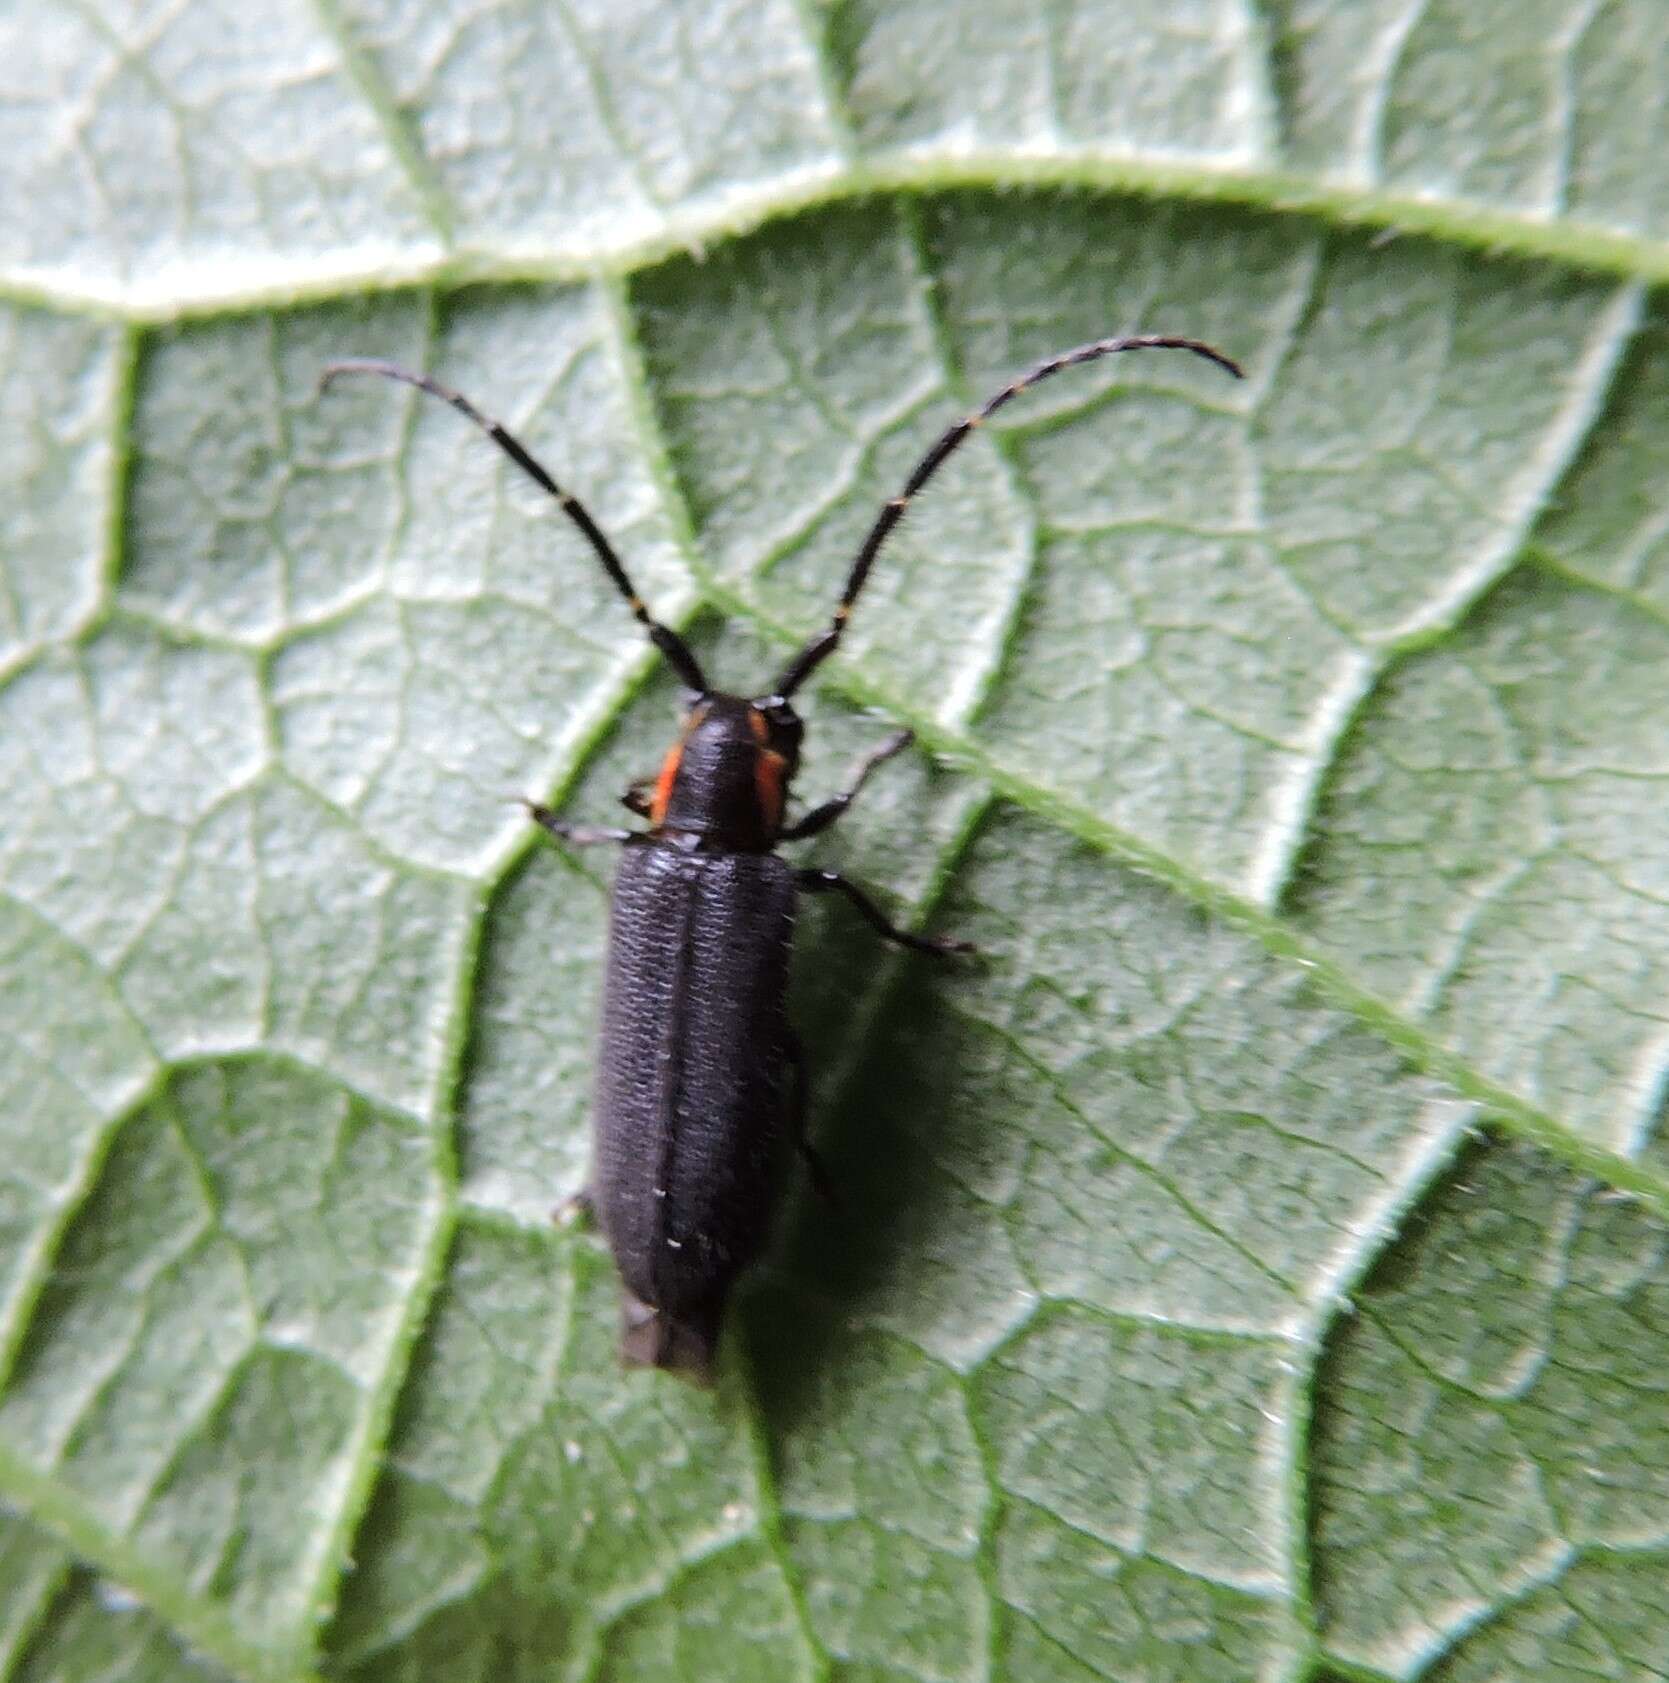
x: 798, y: 1107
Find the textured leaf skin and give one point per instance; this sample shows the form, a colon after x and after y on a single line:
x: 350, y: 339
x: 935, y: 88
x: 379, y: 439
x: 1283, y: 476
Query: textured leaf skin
x: 1255, y: 1267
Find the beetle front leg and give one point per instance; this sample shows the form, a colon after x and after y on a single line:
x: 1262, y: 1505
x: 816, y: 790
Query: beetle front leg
x: 637, y: 796
x: 576, y: 835
x: 821, y: 817
x: 814, y: 881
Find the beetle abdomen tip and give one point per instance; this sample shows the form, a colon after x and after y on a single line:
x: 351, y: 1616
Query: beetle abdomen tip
x: 683, y: 1344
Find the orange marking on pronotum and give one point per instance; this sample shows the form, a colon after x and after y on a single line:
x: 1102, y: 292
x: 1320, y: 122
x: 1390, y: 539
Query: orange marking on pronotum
x: 659, y: 801
x: 770, y: 776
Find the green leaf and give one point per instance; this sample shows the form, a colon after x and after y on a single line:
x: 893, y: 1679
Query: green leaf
x: 1256, y: 1262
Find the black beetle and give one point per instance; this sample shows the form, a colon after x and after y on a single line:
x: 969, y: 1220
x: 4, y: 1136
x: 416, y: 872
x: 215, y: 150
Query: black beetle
x: 699, y: 1073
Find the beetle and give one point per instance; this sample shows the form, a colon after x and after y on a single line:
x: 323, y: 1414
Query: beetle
x: 699, y: 1071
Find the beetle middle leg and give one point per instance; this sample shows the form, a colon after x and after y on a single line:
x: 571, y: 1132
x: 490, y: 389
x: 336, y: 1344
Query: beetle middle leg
x: 821, y: 817
x: 815, y: 881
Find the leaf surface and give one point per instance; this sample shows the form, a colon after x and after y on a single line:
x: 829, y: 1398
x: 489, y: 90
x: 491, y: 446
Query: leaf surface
x: 1291, y: 749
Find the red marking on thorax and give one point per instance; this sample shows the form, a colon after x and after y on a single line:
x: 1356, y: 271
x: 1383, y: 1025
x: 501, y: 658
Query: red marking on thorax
x: 768, y: 769
x: 663, y: 783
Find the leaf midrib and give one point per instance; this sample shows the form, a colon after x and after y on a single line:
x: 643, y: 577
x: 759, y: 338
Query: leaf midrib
x: 958, y: 745
x: 1516, y: 1115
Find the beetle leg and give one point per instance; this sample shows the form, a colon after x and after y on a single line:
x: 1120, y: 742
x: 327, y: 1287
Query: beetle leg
x: 798, y: 1107
x: 821, y: 817
x: 815, y: 881
x: 636, y: 797
x: 576, y: 835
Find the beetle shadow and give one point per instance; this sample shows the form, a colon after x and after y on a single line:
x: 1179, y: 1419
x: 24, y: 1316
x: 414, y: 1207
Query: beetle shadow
x: 838, y: 1271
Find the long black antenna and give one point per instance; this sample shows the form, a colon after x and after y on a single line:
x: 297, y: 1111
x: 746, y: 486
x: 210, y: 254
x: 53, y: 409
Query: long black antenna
x: 892, y: 511
x: 671, y: 645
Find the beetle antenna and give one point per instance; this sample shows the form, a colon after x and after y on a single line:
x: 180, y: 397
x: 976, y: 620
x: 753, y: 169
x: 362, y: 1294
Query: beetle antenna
x: 671, y: 645
x: 892, y: 511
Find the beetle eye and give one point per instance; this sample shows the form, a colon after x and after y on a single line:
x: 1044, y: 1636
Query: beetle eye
x: 785, y: 724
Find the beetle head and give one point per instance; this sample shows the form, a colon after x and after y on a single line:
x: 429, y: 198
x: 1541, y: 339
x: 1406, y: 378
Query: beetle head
x: 725, y: 780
